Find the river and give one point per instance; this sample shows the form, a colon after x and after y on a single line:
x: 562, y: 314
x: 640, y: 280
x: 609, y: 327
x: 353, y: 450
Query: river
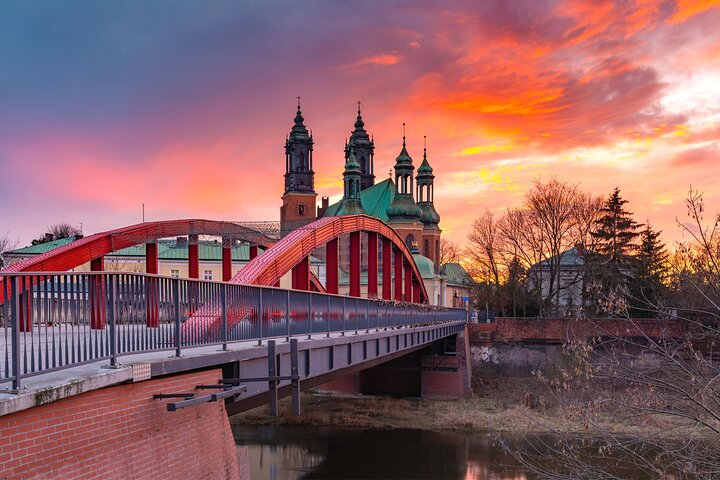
x: 329, y: 452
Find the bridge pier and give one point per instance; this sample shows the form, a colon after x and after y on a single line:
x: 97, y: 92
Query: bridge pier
x: 441, y: 371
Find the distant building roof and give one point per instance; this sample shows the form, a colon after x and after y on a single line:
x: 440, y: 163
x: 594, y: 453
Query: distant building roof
x: 455, y: 274
x: 425, y: 265
x: 41, y: 248
x: 375, y: 200
x: 208, y: 250
x: 568, y: 258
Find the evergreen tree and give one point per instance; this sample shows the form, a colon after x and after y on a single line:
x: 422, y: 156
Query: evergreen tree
x: 648, y: 288
x: 616, y: 231
x: 611, y: 264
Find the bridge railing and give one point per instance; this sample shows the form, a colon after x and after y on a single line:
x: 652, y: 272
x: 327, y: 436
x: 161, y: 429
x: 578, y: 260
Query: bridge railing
x: 53, y: 321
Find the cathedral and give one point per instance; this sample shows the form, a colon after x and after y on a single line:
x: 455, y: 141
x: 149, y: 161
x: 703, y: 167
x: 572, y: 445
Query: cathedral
x: 405, y: 204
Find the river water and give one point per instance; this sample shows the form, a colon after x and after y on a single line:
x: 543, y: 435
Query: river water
x: 329, y: 452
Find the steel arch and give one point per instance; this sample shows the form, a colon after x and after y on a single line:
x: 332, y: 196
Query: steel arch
x: 280, y: 258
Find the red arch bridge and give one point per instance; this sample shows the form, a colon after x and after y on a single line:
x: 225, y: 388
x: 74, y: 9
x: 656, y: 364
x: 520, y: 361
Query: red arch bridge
x: 163, y: 337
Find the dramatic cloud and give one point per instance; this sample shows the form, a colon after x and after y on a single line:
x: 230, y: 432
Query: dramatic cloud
x: 185, y: 107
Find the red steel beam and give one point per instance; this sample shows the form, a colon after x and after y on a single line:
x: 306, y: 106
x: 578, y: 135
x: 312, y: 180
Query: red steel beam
x: 226, y: 259
x: 97, y: 295
x: 408, y: 282
x: 301, y: 275
x: 398, y: 273
x: 355, y: 264
x: 331, y: 266
x: 279, y: 259
x: 193, y: 257
x: 372, y: 266
x: 387, y: 269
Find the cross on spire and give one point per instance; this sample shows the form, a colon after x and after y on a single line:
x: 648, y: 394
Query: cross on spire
x: 298, y: 102
x: 359, y: 102
x: 403, y: 134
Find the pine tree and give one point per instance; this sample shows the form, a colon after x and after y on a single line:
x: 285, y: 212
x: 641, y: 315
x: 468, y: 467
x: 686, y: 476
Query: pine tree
x: 648, y: 285
x: 616, y: 231
x: 611, y: 264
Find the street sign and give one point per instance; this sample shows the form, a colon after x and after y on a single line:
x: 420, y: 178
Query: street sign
x: 465, y: 299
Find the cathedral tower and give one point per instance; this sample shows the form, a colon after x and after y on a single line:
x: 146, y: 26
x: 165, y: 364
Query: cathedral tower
x: 351, y: 204
x: 298, y: 206
x: 364, y: 148
x: 430, y: 219
x: 403, y: 213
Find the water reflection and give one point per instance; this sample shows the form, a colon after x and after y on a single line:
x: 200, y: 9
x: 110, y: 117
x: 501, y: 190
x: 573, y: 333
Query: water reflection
x: 322, y: 453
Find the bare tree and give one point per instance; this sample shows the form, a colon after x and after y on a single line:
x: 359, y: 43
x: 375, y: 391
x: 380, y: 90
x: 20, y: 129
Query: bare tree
x: 650, y: 402
x: 449, y: 252
x: 6, y: 243
x: 485, y: 248
x: 56, y: 231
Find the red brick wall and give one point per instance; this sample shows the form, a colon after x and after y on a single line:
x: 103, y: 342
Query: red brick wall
x: 120, y: 433
x: 348, y: 385
x: 558, y: 330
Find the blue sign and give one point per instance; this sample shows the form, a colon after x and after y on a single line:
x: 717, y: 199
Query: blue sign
x: 465, y: 299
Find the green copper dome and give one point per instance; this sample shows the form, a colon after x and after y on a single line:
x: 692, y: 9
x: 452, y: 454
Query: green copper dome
x: 429, y: 216
x: 351, y: 163
x: 403, y: 207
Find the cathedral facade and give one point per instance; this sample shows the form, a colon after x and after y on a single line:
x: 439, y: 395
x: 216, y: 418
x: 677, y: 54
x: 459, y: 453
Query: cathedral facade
x: 405, y: 202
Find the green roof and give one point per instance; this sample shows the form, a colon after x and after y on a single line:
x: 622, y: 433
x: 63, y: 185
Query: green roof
x: 41, y: 247
x: 425, y: 265
x: 167, y: 250
x: 455, y: 274
x: 375, y: 200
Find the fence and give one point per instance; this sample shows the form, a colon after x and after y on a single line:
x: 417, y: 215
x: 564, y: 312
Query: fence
x: 52, y: 321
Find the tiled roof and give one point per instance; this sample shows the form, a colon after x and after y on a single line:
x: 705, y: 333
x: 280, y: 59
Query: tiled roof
x: 568, y: 258
x: 375, y: 200
x: 455, y: 274
x: 167, y: 250
x: 41, y: 247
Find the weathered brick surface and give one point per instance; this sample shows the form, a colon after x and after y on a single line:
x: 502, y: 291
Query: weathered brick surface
x: 555, y: 330
x: 119, y: 433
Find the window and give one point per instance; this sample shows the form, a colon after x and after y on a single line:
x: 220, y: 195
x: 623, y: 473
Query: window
x: 175, y: 273
x: 207, y: 275
x: 427, y: 248
x: 301, y: 209
x: 410, y: 240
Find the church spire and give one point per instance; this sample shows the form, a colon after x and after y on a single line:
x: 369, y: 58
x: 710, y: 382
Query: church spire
x: 351, y: 203
x: 364, y: 148
x: 299, y: 174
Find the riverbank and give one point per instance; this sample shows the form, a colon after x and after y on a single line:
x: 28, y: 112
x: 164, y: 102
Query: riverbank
x: 512, y: 405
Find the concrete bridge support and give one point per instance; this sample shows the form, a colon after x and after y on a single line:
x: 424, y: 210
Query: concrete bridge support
x: 441, y: 371
x: 121, y: 432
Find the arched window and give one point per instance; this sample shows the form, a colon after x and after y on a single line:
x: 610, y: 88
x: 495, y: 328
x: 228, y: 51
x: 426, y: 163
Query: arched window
x: 363, y: 165
x: 410, y: 240
x: 426, y: 250
x: 437, y: 251
x: 301, y: 161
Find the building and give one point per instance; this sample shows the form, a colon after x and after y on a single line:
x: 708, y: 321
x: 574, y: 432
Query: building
x: 172, y: 257
x: 568, y: 285
x: 406, y: 202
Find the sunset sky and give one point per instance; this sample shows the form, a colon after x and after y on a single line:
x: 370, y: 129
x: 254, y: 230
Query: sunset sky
x: 185, y: 105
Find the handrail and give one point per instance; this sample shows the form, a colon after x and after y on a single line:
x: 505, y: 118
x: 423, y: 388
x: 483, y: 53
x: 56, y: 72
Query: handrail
x: 58, y: 320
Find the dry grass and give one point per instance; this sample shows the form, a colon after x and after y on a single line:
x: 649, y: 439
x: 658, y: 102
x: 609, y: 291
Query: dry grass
x: 515, y: 405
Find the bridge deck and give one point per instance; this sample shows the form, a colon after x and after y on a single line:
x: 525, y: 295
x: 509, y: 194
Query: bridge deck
x: 323, y: 353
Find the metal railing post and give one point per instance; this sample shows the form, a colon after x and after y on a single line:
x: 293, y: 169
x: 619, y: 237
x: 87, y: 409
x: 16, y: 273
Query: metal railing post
x: 111, y: 320
x: 287, y: 316
x: 224, y: 306
x: 328, y: 319
x: 343, y: 315
x: 15, y: 326
x: 310, y: 315
x: 176, y: 307
x: 260, y: 315
x: 357, y: 315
